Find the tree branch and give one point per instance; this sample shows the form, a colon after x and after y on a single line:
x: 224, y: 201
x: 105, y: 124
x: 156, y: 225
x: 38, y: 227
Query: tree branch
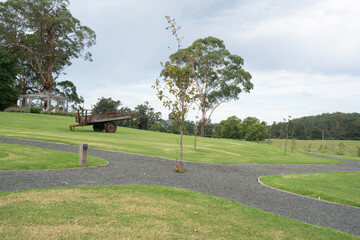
x: 214, y: 107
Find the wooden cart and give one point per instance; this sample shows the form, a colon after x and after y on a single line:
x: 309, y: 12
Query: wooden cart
x: 100, y: 122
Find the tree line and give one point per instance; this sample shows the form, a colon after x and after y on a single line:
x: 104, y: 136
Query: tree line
x: 330, y: 126
x: 145, y: 117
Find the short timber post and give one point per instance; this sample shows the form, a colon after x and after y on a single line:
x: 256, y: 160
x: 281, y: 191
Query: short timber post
x: 83, y: 155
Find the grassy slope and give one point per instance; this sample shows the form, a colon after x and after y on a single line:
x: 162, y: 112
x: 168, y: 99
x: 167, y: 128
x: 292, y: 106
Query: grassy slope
x: 145, y: 212
x: 339, y: 187
x: 326, y: 147
x: 16, y: 157
x: 56, y: 128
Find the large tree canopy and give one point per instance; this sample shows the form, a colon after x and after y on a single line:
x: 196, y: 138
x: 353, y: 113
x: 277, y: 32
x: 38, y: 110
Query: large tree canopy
x: 219, y: 75
x: 105, y: 105
x: 230, y: 128
x: 249, y: 129
x: 46, y: 34
x: 8, y: 71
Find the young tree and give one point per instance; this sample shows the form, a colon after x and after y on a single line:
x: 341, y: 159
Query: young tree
x: 291, y: 130
x: 178, y: 91
x: 46, y: 33
x: 219, y: 77
x: 105, y: 105
x: 286, y: 132
x: 8, y: 71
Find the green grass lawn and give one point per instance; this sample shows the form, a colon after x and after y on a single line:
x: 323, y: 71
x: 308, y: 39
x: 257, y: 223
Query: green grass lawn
x: 350, y: 149
x: 144, y: 212
x: 17, y: 157
x: 56, y: 129
x: 339, y: 187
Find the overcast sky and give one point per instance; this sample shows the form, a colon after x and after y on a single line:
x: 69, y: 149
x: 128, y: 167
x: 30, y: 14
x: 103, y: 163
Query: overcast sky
x: 304, y: 55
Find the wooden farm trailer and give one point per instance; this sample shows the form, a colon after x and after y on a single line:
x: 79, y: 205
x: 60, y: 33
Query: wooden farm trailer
x: 100, y: 122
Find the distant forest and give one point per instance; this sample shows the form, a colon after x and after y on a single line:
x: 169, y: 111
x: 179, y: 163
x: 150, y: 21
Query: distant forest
x: 334, y: 126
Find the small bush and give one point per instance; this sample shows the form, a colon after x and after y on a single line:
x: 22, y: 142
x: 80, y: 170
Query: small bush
x: 60, y: 113
x: 179, y: 167
x: 341, y: 149
x: 35, y: 110
x: 358, y: 150
x: 321, y: 148
x: 308, y: 149
x: 16, y: 109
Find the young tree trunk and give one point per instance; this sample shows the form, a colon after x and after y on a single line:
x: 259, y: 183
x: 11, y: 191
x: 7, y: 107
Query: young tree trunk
x: 286, y: 140
x: 195, y: 143
x: 181, y: 138
x: 203, y: 120
x: 196, y: 132
x: 179, y: 166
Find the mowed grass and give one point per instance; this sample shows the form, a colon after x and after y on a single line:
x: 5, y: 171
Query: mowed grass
x: 339, y: 187
x: 56, y: 129
x: 142, y: 212
x: 17, y: 157
x: 350, y: 150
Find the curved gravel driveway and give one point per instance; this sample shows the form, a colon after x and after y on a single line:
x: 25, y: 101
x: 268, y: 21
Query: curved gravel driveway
x: 233, y: 182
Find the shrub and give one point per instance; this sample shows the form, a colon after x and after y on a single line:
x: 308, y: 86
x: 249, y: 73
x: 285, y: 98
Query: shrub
x: 35, y: 110
x: 358, y: 150
x: 341, y: 149
x: 60, y: 113
x: 322, y: 148
x: 179, y: 167
x: 325, y: 149
x: 16, y: 109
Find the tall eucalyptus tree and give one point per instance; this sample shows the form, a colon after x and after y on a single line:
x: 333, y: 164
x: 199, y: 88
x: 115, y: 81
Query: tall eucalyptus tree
x: 46, y: 33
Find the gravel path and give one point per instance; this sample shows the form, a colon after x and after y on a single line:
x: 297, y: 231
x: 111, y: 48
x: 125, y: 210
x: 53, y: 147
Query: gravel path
x: 234, y: 182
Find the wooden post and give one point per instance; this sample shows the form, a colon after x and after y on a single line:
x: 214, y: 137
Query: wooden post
x: 83, y: 155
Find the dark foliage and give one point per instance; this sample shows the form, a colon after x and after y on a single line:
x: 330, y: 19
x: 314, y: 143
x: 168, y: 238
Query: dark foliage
x: 339, y: 126
x: 8, y: 71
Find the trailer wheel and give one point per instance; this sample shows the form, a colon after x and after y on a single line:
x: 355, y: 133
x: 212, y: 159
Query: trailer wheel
x: 99, y: 127
x: 110, y: 127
